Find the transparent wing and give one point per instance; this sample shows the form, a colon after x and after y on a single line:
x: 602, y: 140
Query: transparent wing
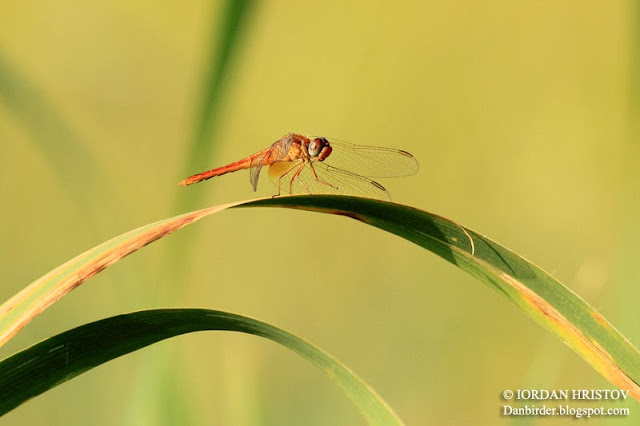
x: 371, y: 161
x: 256, y: 165
x: 276, y: 152
x: 331, y: 180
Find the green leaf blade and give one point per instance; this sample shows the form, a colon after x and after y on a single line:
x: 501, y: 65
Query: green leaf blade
x: 534, y: 291
x: 62, y: 357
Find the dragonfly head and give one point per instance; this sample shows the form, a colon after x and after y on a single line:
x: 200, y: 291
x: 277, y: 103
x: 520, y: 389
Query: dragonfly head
x: 319, y: 148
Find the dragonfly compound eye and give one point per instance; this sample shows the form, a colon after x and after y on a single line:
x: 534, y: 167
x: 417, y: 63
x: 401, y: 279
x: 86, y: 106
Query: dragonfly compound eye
x: 315, y: 146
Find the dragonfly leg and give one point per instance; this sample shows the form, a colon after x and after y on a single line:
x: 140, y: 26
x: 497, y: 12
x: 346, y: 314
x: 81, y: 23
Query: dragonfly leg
x: 295, y: 176
x: 295, y: 164
x: 315, y: 176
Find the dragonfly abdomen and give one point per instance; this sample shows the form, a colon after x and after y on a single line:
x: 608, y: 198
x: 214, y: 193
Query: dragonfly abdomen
x: 238, y: 165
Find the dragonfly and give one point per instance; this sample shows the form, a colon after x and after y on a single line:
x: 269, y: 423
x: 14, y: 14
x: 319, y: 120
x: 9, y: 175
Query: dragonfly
x: 300, y: 164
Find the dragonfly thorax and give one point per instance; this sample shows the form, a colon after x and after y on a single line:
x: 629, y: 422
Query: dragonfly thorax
x: 319, y: 148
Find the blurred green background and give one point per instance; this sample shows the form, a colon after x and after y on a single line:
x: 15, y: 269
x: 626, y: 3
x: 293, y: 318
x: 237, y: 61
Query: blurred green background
x: 523, y: 116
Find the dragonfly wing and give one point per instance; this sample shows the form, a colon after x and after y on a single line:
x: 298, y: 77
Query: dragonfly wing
x: 371, y: 161
x: 331, y: 180
x: 254, y: 172
x: 276, y: 152
x: 281, y: 170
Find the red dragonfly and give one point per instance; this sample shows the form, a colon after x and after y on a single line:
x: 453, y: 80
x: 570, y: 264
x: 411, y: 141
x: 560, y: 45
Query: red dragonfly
x: 300, y: 164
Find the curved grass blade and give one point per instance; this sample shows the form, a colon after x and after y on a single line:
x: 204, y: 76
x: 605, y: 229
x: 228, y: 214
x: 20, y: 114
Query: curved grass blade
x: 60, y: 358
x: 16, y: 312
x: 533, y: 290
x: 542, y: 297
